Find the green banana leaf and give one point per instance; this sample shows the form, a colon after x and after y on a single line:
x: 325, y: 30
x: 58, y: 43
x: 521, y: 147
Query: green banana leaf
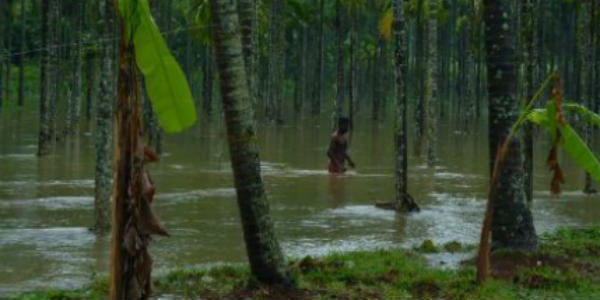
x: 583, y: 111
x: 577, y: 149
x: 539, y: 117
x: 166, y: 84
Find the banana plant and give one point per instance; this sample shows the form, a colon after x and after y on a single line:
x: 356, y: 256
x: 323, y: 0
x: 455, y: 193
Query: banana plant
x: 167, y: 86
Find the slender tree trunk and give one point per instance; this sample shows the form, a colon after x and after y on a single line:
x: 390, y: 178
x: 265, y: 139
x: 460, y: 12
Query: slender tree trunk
x: 339, y: 99
x: 53, y: 67
x: 265, y: 256
x: 9, y: 50
x: 207, y: 81
x: 276, y: 61
x: 419, y: 77
x: 527, y: 29
x: 433, y: 76
x: 404, y: 202
x: 247, y: 12
x: 512, y: 222
x: 44, y: 140
x: 320, y: 66
x: 104, y: 123
x: 352, y: 79
x: 588, y: 82
x: 91, y: 63
x: 21, y: 96
x: 74, y: 106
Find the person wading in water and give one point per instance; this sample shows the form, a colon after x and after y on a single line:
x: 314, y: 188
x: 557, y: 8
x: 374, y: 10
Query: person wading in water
x: 337, y: 148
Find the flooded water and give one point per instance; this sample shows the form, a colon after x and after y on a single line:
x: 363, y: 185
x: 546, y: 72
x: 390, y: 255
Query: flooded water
x: 46, y: 205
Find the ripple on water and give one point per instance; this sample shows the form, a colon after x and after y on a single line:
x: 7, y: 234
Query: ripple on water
x: 87, y: 183
x: 18, y: 156
x: 321, y: 247
x: 48, y: 237
x: 51, y: 203
x: 197, y: 194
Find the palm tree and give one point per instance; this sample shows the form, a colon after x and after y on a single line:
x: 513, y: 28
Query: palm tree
x: 44, y: 139
x: 433, y: 85
x: 512, y: 225
x: 264, y: 253
x: 404, y: 202
x: 339, y: 99
x: 276, y: 61
x: 104, y: 125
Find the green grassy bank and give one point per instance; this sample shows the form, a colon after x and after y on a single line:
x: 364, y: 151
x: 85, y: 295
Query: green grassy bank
x: 566, y: 266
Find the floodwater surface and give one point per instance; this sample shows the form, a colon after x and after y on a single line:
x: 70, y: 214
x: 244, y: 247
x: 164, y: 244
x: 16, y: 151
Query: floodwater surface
x: 46, y: 205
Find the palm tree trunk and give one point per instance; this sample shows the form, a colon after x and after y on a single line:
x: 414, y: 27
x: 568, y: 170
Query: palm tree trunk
x: 265, y: 256
x: 75, y: 99
x: 8, y: 44
x: 433, y: 85
x: 339, y: 99
x: 320, y: 66
x: 207, y: 81
x: 512, y: 225
x: 44, y: 141
x: 104, y: 125
x: 276, y: 62
x: 247, y: 13
x: 53, y: 67
x: 21, y: 97
x: 528, y: 86
x: 404, y: 201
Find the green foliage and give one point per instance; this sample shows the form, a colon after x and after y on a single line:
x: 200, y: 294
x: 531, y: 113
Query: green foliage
x: 572, y: 143
x: 166, y: 84
x: 577, y: 149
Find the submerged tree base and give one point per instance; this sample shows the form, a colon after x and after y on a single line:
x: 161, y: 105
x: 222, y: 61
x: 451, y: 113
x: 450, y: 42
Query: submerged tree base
x: 566, y: 266
x: 408, y: 205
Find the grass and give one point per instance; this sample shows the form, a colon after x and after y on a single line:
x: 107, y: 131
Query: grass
x: 566, y: 266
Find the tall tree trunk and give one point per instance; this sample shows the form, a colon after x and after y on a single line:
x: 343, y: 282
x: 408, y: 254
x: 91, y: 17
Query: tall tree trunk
x: 53, y: 67
x: 265, y: 256
x: 588, y: 10
x: 207, y: 81
x: 104, y: 123
x: 419, y: 77
x: 21, y: 96
x: 320, y: 66
x: 73, y: 109
x: 247, y: 12
x: 276, y: 62
x: 528, y: 86
x: 44, y: 140
x: 8, y: 44
x: 352, y: 58
x: 512, y: 222
x: 433, y: 76
x: 91, y: 63
x: 404, y: 202
x: 339, y: 98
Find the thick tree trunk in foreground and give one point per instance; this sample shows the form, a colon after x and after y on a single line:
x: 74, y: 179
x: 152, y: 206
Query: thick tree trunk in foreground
x: 104, y: 124
x: 265, y: 256
x: 512, y: 225
x: 247, y: 12
x: 44, y: 141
